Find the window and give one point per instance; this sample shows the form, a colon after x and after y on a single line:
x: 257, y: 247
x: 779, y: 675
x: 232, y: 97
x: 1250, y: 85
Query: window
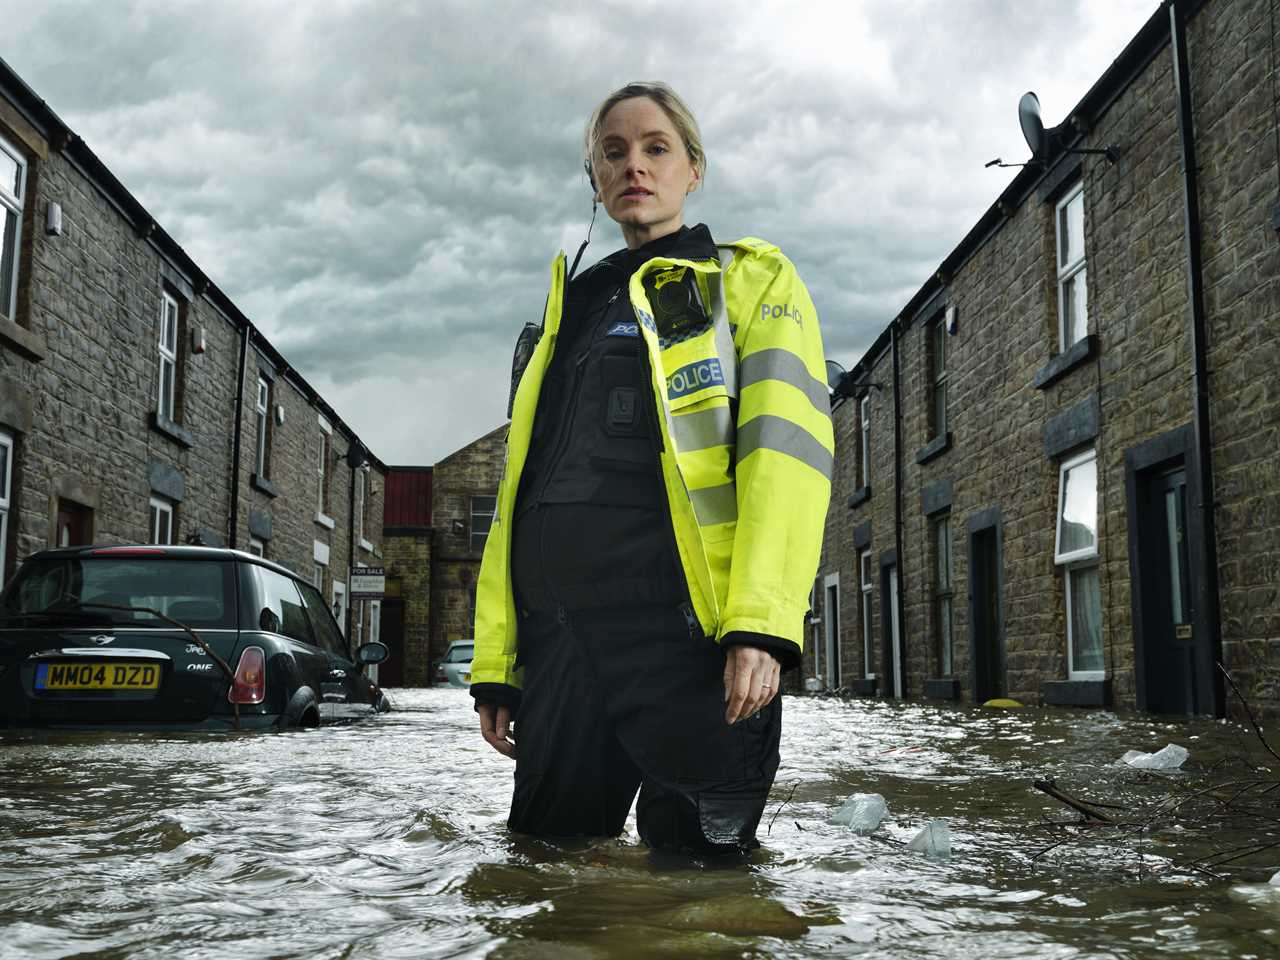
x: 1073, y: 299
x: 942, y: 592
x: 375, y: 621
x: 283, y: 611
x: 13, y: 181
x: 864, y: 564
x: 317, y: 576
x: 165, y: 402
x: 937, y: 333
x: 481, y: 520
x: 6, y: 480
x: 161, y: 520
x: 257, y: 547
x: 1076, y: 550
x: 324, y: 451
x: 362, y: 507
x: 864, y: 462
x: 264, y: 424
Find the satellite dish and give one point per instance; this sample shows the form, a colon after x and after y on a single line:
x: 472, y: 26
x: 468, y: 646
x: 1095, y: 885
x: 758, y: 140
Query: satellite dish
x: 1032, y: 125
x: 835, y: 373
x: 356, y: 456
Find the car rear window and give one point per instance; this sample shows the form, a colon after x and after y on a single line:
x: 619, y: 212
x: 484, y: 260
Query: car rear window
x: 460, y: 654
x: 199, y: 593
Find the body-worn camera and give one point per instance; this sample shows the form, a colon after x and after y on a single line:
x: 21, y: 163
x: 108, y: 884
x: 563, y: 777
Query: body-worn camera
x: 678, y: 310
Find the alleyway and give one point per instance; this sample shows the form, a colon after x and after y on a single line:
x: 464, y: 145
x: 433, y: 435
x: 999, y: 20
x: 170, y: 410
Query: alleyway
x: 386, y: 840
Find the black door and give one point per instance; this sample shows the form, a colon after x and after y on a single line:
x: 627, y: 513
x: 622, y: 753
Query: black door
x: 986, y: 654
x: 1170, y: 640
x: 391, y: 670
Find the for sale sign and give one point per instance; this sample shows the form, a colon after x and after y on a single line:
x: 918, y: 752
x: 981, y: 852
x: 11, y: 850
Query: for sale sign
x: 368, y: 583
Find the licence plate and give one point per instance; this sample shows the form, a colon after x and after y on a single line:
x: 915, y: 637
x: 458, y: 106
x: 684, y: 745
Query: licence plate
x: 97, y: 676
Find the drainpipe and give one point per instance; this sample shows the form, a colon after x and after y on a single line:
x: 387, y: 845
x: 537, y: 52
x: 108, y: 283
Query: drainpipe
x: 1208, y: 611
x: 235, y: 440
x: 895, y: 331
x: 351, y: 539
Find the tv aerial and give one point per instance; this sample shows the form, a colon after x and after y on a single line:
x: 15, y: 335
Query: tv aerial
x: 1042, y: 141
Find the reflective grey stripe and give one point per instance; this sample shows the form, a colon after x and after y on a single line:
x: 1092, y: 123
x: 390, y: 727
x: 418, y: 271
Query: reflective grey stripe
x: 715, y: 504
x: 781, y: 435
x: 720, y: 315
x: 783, y: 365
x: 698, y: 431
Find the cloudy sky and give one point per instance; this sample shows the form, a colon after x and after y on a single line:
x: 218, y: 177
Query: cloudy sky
x: 381, y: 184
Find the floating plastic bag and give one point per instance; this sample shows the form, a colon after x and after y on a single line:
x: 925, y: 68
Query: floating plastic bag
x: 1170, y: 758
x: 934, y: 839
x: 862, y: 812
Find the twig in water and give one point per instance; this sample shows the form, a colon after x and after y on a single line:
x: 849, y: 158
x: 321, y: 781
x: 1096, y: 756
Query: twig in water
x: 780, y: 806
x: 1089, y: 813
x: 1247, y: 709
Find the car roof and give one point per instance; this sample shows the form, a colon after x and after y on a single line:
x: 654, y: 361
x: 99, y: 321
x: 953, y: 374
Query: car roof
x: 167, y: 551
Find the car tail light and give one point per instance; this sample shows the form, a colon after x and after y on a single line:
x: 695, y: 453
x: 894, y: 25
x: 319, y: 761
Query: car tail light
x: 129, y: 551
x: 250, y: 685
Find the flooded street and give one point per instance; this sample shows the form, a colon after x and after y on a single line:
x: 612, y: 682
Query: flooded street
x: 386, y: 839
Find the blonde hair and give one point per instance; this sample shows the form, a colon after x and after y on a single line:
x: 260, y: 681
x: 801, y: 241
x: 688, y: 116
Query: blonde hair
x: 660, y: 93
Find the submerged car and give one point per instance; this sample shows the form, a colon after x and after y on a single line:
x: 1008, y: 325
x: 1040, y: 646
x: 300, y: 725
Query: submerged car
x: 455, y: 668
x: 175, y: 637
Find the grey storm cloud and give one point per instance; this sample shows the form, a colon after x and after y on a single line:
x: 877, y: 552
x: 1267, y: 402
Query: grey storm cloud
x: 381, y: 185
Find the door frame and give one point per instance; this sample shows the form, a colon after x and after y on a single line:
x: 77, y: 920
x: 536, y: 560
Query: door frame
x: 1142, y: 463
x: 895, y: 685
x: 831, y: 630
x: 986, y: 521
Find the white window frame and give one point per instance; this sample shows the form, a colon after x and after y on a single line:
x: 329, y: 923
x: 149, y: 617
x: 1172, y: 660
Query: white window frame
x: 317, y: 576
x: 362, y: 487
x: 159, y: 507
x: 6, y: 497
x: 865, y: 577
x: 262, y: 403
x: 168, y: 349
x: 831, y: 629
x: 1084, y: 553
x: 945, y: 591
x: 14, y: 203
x: 1068, y: 271
x: 322, y: 471
x: 938, y: 351
x: 864, y: 465
x: 1075, y: 560
x: 257, y: 547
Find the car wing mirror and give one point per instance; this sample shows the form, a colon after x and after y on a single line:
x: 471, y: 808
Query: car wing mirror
x: 375, y: 651
x: 268, y: 621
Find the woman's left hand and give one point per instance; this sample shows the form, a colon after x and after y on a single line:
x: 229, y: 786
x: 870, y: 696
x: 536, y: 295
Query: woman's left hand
x: 751, y: 680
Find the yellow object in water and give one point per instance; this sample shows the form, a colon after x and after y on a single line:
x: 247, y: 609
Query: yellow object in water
x: 1003, y: 703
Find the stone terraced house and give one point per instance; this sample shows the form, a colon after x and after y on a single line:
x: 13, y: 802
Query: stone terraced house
x: 1058, y: 467
x: 137, y: 403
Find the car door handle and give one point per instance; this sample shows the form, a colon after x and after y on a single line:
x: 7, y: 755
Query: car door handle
x: 337, y: 674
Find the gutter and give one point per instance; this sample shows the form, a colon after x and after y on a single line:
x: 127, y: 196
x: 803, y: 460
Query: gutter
x: 1207, y: 615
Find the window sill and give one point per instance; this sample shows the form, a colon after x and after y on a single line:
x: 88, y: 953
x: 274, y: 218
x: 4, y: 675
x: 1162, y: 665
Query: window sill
x: 325, y: 521
x: 946, y: 688
x: 860, y: 496
x: 30, y: 345
x: 1076, y: 693
x: 365, y: 545
x: 865, y: 687
x: 1066, y: 361
x: 167, y: 428
x: 263, y: 485
x: 934, y: 448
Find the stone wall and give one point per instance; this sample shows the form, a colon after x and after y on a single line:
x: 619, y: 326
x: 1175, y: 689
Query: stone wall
x: 408, y: 559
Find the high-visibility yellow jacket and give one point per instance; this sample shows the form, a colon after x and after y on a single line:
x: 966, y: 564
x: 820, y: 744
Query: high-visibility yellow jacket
x: 746, y: 454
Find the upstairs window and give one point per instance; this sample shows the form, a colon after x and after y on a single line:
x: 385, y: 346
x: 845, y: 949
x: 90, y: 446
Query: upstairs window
x: 864, y: 459
x: 324, y: 453
x: 938, y: 376
x: 168, y: 381
x: 1073, y: 297
x: 1076, y: 551
x: 161, y: 520
x: 262, y: 406
x: 13, y: 183
x: 481, y: 520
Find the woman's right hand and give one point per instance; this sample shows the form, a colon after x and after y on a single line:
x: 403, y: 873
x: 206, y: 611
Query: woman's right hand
x: 495, y: 727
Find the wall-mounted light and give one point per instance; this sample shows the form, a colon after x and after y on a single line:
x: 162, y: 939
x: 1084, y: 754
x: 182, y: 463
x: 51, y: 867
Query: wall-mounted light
x: 197, y: 340
x: 53, y: 219
x: 279, y: 414
x: 952, y: 319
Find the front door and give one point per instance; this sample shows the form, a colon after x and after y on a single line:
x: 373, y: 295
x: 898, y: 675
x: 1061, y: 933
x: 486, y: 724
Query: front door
x: 391, y: 632
x: 984, y: 629
x: 1170, y: 639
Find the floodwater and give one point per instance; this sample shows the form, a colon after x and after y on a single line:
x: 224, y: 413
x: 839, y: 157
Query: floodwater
x: 386, y: 839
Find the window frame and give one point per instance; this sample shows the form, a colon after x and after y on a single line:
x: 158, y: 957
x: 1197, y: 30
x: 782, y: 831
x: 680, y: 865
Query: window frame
x: 15, y: 203
x: 865, y: 579
x: 944, y: 593
x: 257, y: 547
x: 1072, y: 672
x: 1067, y: 272
x: 1065, y: 467
x: 937, y: 366
x: 262, y: 407
x: 324, y: 474
x: 471, y: 525
x: 864, y: 429
x: 158, y: 507
x: 167, y: 400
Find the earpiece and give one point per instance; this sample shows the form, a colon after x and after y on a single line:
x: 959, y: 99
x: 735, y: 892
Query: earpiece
x: 586, y: 165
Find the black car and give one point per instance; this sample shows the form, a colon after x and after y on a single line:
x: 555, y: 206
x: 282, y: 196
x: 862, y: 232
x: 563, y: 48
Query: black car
x: 174, y: 637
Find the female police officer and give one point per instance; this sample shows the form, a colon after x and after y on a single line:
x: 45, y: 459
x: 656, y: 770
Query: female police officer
x: 660, y: 516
